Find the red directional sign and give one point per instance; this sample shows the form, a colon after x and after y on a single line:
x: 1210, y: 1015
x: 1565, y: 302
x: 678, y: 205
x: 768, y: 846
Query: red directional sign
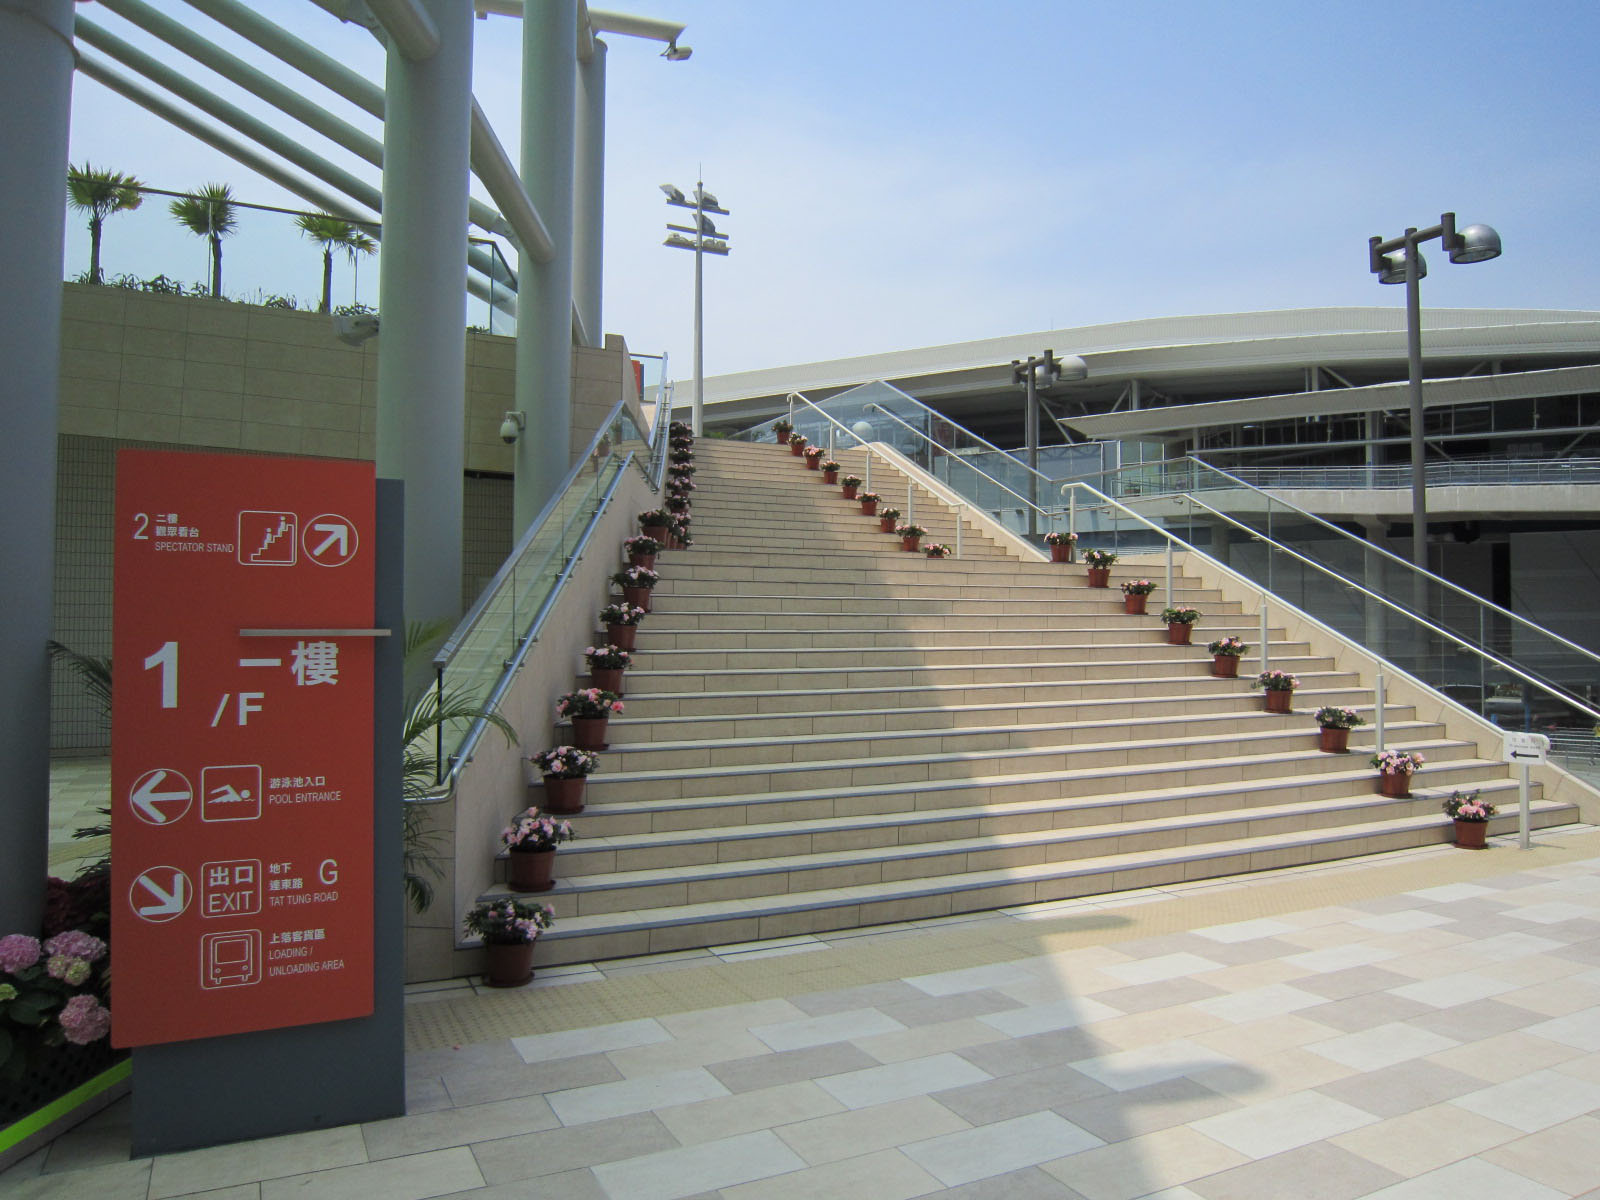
x: 241, y: 744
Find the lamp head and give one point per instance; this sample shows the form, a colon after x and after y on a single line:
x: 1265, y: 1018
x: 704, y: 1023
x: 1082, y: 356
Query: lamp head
x: 1475, y: 243
x: 676, y: 53
x: 1394, y: 267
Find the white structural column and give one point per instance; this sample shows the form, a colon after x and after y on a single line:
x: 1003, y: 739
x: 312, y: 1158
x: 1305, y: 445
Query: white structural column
x: 544, y: 289
x: 422, y: 345
x: 588, y: 193
x: 36, y: 96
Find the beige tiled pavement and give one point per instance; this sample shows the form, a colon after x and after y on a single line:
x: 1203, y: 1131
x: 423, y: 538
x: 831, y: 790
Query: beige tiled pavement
x: 1423, y: 1025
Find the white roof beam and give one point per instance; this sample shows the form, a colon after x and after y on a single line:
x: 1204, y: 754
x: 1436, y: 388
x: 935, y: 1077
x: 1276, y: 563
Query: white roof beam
x: 257, y: 130
x: 480, y: 261
x: 410, y: 28
x: 530, y: 234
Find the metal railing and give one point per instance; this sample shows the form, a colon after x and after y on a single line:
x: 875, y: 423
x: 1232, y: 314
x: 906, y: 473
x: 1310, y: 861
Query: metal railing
x: 1487, y: 659
x: 482, y: 655
x: 1480, y: 472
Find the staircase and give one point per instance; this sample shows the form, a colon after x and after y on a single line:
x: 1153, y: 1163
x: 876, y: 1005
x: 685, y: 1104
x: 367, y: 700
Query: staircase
x: 823, y: 731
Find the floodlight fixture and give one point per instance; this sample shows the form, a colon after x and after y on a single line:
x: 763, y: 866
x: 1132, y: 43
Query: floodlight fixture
x: 1397, y: 260
x: 703, y: 237
x: 676, y: 53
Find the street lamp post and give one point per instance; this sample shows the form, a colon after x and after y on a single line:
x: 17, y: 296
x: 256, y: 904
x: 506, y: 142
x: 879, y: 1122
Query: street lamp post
x: 1036, y: 373
x: 706, y: 239
x: 1397, y: 260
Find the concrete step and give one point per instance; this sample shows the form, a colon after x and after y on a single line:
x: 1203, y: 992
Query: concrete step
x: 788, y: 791
x: 676, y: 927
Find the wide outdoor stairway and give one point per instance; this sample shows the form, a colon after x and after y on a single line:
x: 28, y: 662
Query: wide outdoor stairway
x: 823, y: 731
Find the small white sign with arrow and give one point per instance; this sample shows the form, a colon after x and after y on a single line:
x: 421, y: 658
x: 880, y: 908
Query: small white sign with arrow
x: 1526, y: 747
x: 161, y: 797
x: 160, y: 894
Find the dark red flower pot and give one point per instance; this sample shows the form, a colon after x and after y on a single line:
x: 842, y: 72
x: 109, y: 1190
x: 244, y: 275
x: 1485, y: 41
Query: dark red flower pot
x: 563, y: 796
x: 639, y: 597
x: 1280, y: 700
x: 1394, y: 784
x: 607, y: 679
x: 622, y: 636
x: 647, y: 561
x: 849, y: 490
x: 530, y: 870
x: 1472, y: 835
x: 589, y: 733
x: 1178, y: 633
x: 1061, y: 553
x: 509, y: 965
x: 1333, y: 741
x: 1134, y: 604
x: 1099, y: 577
x: 869, y: 508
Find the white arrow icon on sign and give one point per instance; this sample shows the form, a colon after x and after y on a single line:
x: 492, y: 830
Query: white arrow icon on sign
x: 330, y: 540
x: 160, y: 893
x: 160, y: 797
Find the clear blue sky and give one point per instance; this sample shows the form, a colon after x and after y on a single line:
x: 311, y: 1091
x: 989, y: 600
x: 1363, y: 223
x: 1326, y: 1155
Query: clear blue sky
x: 915, y: 172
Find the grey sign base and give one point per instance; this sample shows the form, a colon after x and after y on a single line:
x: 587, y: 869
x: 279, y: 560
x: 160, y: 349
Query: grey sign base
x: 252, y: 1085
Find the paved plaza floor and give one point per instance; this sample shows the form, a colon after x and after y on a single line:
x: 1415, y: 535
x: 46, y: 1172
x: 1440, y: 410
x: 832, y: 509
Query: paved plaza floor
x: 1414, y: 1026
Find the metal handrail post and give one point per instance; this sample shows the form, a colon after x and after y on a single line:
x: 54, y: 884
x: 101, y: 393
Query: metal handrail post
x: 911, y: 511
x: 961, y: 512
x: 1266, y: 652
x: 1379, y: 703
x: 1072, y: 511
x: 1170, y: 599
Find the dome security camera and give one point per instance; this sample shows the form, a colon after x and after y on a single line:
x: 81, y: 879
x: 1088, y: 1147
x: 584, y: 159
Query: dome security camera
x: 511, y: 428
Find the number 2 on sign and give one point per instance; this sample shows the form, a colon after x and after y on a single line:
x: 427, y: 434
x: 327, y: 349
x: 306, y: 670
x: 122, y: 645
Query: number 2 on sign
x: 166, y: 660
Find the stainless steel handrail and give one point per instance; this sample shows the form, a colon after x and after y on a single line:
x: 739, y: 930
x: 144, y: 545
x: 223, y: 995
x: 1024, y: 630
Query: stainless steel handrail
x: 1411, y: 567
x: 1547, y: 687
x: 1044, y: 512
x: 475, y: 732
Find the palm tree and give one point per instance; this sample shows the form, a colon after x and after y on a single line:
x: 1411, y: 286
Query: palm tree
x: 208, y: 214
x: 100, y: 193
x: 332, y: 233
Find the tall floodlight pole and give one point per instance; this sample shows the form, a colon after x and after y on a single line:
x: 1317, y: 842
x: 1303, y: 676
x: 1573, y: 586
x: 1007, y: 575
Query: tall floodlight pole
x: 1036, y: 373
x: 707, y: 239
x: 1398, y: 261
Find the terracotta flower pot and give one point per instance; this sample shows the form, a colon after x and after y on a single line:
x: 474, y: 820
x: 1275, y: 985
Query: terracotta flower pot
x: 1394, y: 784
x: 909, y: 543
x: 509, y: 965
x: 1334, y: 741
x: 530, y: 870
x: 869, y: 508
x: 1099, y: 577
x: 1134, y: 604
x: 639, y: 597
x: 796, y: 449
x: 622, y: 636
x: 607, y: 679
x: 564, y: 796
x: 1225, y: 666
x: 1061, y: 553
x: 849, y: 490
x: 830, y: 477
x: 1472, y: 835
x: 813, y: 463
x: 1280, y: 700
x: 1178, y: 633
x: 781, y: 438
x: 647, y: 561
x: 589, y: 733
x: 656, y: 532
x: 886, y: 524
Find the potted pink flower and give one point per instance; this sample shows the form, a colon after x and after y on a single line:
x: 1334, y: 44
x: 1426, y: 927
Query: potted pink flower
x: 530, y: 842
x: 563, y: 770
x: 589, y: 710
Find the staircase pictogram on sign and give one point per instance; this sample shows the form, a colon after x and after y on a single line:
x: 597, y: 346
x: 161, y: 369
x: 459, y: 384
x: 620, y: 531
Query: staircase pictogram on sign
x: 268, y: 539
